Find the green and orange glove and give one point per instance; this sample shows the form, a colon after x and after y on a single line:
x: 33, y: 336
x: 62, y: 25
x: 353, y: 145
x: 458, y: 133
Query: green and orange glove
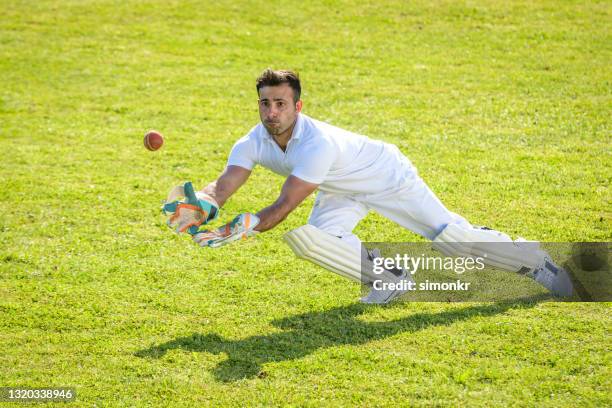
x: 241, y: 227
x: 194, y: 210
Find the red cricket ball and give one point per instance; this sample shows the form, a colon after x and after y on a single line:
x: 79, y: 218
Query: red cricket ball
x: 153, y: 140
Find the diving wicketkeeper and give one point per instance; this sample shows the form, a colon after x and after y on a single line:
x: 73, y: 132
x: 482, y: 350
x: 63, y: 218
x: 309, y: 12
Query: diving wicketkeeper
x: 353, y: 175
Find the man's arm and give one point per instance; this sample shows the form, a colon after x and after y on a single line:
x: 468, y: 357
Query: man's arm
x: 227, y: 184
x: 294, y: 191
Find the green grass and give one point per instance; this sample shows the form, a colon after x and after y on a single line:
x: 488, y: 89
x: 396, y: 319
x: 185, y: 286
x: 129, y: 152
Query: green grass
x: 503, y: 106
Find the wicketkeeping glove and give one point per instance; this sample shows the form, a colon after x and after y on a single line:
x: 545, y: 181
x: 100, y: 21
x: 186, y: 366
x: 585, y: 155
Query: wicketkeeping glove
x: 194, y: 210
x: 241, y: 227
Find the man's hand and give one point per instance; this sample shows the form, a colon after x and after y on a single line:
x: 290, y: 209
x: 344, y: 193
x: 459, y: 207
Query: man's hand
x: 187, y: 215
x: 241, y: 227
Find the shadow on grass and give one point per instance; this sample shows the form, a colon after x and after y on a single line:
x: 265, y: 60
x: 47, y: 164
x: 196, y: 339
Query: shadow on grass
x: 308, y: 332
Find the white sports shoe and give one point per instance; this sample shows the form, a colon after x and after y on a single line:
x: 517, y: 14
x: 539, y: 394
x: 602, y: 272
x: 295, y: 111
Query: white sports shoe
x: 382, y: 296
x: 553, y: 278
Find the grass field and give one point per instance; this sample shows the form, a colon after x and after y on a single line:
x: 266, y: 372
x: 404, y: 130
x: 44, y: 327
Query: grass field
x: 503, y: 106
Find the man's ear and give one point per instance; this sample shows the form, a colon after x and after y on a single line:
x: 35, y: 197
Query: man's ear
x: 298, y: 106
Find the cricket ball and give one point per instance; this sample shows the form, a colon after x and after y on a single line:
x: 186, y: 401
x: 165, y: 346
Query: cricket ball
x: 153, y: 140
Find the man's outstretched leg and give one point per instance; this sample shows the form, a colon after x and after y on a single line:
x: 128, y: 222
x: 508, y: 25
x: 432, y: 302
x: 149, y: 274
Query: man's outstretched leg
x: 415, y: 207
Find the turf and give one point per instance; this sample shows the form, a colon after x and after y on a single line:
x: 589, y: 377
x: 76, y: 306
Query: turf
x: 503, y: 106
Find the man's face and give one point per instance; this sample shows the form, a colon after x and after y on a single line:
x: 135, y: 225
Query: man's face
x: 277, y: 110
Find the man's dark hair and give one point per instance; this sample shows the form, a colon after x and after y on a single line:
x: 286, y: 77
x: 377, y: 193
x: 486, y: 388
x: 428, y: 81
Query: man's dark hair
x: 273, y: 78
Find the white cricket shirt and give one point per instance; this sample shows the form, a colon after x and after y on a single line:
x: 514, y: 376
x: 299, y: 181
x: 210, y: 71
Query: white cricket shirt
x: 338, y: 160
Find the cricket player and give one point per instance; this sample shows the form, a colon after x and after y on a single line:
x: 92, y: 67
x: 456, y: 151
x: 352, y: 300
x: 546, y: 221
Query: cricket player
x: 353, y: 175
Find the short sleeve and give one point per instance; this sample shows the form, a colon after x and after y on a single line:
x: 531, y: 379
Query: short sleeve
x: 315, y: 163
x: 243, y: 154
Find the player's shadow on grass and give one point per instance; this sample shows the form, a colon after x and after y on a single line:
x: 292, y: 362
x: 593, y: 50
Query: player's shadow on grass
x: 308, y: 332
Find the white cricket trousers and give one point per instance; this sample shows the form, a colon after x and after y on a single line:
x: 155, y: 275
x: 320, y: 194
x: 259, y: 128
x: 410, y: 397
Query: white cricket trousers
x: 410, y: 204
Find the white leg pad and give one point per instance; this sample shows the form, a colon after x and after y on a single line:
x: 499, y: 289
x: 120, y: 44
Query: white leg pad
x: 496, y: 248
x: 334, y: 254
x: 310, y: 243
